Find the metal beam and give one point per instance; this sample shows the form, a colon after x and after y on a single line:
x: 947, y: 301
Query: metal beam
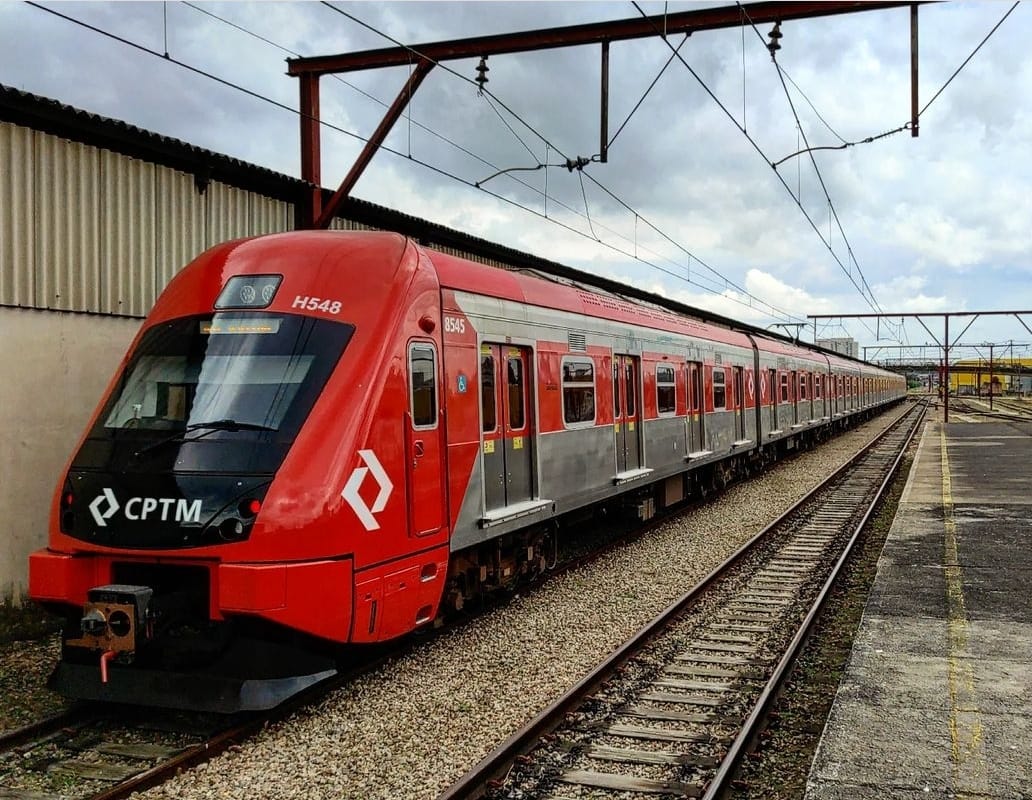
x: 311, y: 159
x: 895, y: 314
x: 914, y: 113
x: 591, y: 33
x: 421, y: 70
x: 426, y: 56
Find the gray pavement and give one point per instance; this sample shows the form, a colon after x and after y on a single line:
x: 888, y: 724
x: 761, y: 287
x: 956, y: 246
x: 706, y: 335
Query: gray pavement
x: 936, y: 700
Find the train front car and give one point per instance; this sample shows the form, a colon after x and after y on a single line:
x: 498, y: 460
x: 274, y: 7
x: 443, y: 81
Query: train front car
x: 239, y: 505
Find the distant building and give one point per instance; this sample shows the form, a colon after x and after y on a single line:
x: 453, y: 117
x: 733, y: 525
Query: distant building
x: 972, y: 377
x: 844, y: 345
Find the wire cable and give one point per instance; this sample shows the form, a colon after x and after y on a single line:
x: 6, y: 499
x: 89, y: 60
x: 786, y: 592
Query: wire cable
x: 655, y: 80
x: 516, y: 116
x: 426, y: 165
x: 864, y: 288
x: 966, y: 60
x: 763, y: 155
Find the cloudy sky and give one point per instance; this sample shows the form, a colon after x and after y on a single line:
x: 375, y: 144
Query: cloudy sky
x: 688, y: 204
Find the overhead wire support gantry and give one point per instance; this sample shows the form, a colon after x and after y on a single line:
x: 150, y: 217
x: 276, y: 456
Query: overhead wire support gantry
x: 945, y: 344
x: 422, y: 58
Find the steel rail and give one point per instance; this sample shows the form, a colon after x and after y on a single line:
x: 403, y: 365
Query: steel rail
x: 474, y: 783
x: 746, y: 737
x: 44, y: 728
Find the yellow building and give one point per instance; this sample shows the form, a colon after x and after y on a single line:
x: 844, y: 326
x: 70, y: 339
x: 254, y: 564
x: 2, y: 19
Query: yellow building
x: 971, y: 376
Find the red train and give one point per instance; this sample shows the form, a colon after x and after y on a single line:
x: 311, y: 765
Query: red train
x: 320, y: 438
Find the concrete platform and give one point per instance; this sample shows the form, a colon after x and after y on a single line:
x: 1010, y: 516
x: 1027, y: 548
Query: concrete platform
x: 936, y: 700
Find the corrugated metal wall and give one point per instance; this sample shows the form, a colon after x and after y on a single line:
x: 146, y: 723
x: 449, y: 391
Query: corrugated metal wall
x: 90, y: 230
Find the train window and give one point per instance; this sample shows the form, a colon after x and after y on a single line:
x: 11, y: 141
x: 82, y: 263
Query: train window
x: 616, y: 388
x: 817, y: 381
x: 784, y: 387
x: 578, y: 391
x: 665, y: 389
x: 489, y: 418
x: 516, y: 411
x: 423, y: 385
x: 719, y: 390
x: 630, y: 387
x: 802, y: 386
x: 239, y: 379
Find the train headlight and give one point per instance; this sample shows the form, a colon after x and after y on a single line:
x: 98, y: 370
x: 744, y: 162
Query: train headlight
x: 67, y: 510
x: 248, y: 291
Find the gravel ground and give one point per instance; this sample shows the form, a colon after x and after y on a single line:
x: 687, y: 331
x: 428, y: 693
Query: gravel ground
x: 24, y: 669
x: 416, y: 725
x: 413, y: 727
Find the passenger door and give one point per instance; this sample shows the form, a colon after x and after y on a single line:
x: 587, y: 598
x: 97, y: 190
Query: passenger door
x: 738, y: 380
x: 507, y: 448
x: 772, y: 382
x: 696, y: 412
x: 626, y: 414
x: 423, y: 441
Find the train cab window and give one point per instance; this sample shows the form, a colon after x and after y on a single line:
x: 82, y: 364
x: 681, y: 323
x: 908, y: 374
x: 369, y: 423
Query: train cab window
x: 665, y: 389
x: 578, y: 391
x: 514, y: 371
x: 423, y: 385
x: 784, y: 387
x: 719, y: 390
x: 489, y: 415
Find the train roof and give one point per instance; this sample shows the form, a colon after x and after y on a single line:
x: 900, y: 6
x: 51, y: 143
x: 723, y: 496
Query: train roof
x: 52, y: 116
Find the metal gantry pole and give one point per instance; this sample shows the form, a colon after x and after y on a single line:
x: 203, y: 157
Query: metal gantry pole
x: 990, y: 376
x: 946, y: 370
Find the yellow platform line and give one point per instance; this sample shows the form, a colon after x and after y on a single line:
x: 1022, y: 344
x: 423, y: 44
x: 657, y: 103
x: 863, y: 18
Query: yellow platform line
x: 967, y: 736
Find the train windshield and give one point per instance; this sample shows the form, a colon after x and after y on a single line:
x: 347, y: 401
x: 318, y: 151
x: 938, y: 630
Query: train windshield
x: 227, y: 377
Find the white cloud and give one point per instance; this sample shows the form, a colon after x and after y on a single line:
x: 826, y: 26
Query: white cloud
x: 952, y: 203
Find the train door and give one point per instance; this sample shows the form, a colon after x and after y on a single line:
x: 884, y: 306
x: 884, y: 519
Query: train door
x: 696, y: 410
x: 506, y: 425
x: 626, y: 414
x: 794, y: 386
x: 772, y: 386
x: 738, y: 382
x: 423, y: 442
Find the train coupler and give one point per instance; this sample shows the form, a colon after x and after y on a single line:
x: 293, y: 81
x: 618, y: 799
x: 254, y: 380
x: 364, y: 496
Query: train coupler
x: 115, y: 622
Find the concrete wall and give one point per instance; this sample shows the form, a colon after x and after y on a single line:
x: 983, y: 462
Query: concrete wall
x: 56, y: 365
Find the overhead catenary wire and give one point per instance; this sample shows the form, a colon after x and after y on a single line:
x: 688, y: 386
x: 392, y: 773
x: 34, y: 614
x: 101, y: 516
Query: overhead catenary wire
x: 901, y: 333
x: 978, y: 47
x: 864, y: 288
x: 645, y: 94
x: 763, y: 155
x: 516, y: 116
x: 773, y: 310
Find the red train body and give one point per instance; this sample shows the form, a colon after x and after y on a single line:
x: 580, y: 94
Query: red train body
x: 320, y: 438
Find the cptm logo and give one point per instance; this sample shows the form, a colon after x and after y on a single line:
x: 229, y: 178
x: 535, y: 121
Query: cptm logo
x: 351, y: 488
x: 143, y: 508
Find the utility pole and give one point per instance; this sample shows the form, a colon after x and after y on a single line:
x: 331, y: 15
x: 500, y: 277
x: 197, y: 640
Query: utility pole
x: 990, y: 376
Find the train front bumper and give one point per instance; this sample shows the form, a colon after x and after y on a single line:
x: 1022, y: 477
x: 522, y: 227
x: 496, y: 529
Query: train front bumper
x: 311, y: 597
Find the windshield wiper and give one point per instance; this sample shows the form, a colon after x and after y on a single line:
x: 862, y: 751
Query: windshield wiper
x: 208, y: 427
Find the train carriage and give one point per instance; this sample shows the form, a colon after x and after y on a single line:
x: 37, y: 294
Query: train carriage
x: 324, y: 438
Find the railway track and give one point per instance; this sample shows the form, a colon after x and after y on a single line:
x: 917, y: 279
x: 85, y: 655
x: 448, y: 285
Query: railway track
x: 1004, y: 409
x: 104, y: 753
x: 95, y: 751
x: 675, y: 708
